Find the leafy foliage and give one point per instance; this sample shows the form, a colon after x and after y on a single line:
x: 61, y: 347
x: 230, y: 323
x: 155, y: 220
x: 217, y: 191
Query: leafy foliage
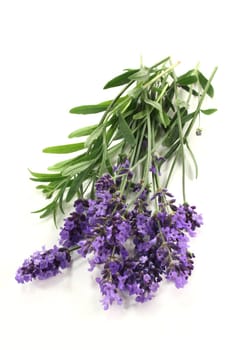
x: 150, y: 116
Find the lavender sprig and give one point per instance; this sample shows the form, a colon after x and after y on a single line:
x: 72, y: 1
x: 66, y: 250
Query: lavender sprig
x: 44, y: 264
x: 125, y: 221
x: 134, y: 246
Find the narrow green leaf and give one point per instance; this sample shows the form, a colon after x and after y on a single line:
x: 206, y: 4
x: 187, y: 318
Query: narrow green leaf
x: 48, y: 209
x: 171, y: 136
x: 74, y: 169
x: 193, y: 159
x: 154, y: 104
x: 187, y: 88
x: 140, y: 75
x: 167, y: 100
x: 172, y: 133
x: 87, y: 130
x: 94, y: 135
x: 114, y: 149
x: 209, y: 111
x: 163, y: 118
x: 47, y: 179
x: 172, y: 150
x: 77, y: 182
x: 187, y: 78
x: 139, y: 115
x: 166, y: 119
x: 61, y: 195
x: 91, y: 109
x: 126, y: 132
x: 203, y: 82
x: 121, y: 105
x: 63, y: 164
x: 120, y: 79
x: 73, y: 188
x: 42, y: 176
x: 73, y: 147
x: 60, y: 165
x: 187, y: 117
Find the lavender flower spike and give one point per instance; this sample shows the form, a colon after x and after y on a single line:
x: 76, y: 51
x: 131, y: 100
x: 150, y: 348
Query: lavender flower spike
x: 44, y: 264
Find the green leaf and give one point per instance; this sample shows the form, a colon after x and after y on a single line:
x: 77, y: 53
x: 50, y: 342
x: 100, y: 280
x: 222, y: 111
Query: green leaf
x: 74, y: 169
x: 61, y: 195
x: 140, y: 75
x: 114, y: 150
x: 77, y: 182
x: 73, y: 147
x: 73, y: 188
x: 48, y: 209
x: 139, y: 115
x: 163, y: 117
x: 126, y: 132
x: 172, y: 133
x: 87, y: 130
x: 120, y: 79
x: 94, y: 135
x: 167, y: 100
x: 91, y: 109
x: 203, y: 82
x: 62, y: 164
x: 172, y: 150
x: 154, y: 104
x: 187, y: 88
x: 187, y: 78
x: 65, y: 163
x: 193, y: 159
x: 45, y: 177
x: 51, y: 209
x: 209, y: 111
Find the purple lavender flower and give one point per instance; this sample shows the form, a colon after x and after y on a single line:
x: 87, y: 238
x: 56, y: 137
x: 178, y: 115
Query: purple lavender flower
x: 76, y: 226
x: 156, y: 162
x: 153, y: 169
x: 109, y: 292
x: 180, y: 278
x: 44, y: 264
x: 140, y: 276
x: 134, y: 247
x: 105, y: 183
x: 172, y: 241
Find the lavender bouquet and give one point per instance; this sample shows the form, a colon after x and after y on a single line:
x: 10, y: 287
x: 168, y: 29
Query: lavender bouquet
x: 125, y: 220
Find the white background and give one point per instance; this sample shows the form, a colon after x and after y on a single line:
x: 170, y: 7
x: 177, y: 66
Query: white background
x: 55, y: 55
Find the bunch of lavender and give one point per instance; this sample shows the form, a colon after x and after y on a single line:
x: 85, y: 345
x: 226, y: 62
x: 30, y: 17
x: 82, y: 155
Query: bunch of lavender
x: 135, y: 246
x: 125, y: 222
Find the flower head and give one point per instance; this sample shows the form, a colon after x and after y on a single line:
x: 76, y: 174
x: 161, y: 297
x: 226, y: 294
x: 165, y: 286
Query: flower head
x: 43, y: 264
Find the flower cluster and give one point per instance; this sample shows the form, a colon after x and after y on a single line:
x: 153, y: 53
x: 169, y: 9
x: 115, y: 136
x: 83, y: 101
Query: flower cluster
x: 134, y: 246
x: 44, y: 264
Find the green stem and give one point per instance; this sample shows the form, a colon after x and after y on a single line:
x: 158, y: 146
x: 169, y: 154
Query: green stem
x: 115, y: 100
x: 181, y: 136
x: 73, y: 248
x: 157, y: 77
x: 182, y: 153
x: 149, y: 157
x: 193, y: 158
x: 135, y: 149
x: 199, y: 104
x: 160, y: 62
x: 171, y: 170
x: 142, y: 132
